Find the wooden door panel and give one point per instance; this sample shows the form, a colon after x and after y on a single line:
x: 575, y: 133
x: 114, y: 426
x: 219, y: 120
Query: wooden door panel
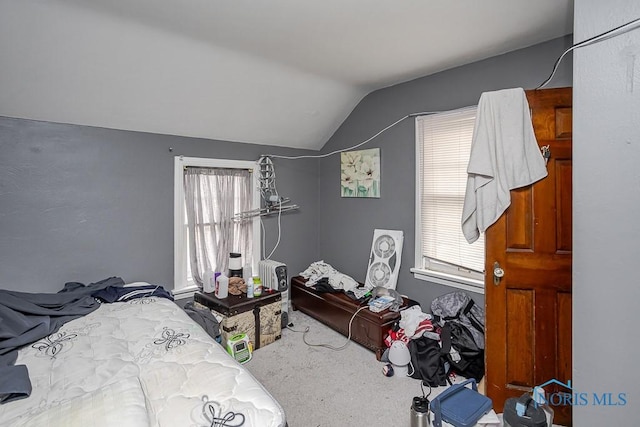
x: 564, y: 223
x: 520, y: 337
x: 520, y: 263
x: 564, y: 334
x: 551, y: 113
x: 563, y: 352
x: 520, y: 221
x: 545, y: 330
x: 564, y: 123
x: 528, y: 314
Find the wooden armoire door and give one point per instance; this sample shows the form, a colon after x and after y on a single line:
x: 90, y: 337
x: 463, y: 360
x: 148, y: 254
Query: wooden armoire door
x: 528, y: 310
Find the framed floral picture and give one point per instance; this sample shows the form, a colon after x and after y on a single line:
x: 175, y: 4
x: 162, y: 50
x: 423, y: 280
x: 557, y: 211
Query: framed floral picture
x: 360, y: 173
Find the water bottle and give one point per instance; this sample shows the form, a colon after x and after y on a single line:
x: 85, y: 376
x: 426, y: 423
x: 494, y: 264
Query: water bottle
x: 250, y: 287
x: 420, y: 412
x: 246, y: 272
x: 208, y: 284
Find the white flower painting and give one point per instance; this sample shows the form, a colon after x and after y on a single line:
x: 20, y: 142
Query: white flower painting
x: 360, y: 173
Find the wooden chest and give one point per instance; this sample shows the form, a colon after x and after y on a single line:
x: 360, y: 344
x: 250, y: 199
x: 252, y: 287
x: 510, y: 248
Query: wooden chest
x: 336, y: 309
x: 260, y: 317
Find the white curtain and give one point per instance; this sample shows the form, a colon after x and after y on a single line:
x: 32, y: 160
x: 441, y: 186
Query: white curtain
x: 213, y: 196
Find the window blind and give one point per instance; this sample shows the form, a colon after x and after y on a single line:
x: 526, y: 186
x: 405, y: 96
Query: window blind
x: 444, y: 146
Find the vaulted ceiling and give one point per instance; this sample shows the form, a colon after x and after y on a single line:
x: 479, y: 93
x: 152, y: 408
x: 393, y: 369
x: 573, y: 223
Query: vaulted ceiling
x: 274, y: 72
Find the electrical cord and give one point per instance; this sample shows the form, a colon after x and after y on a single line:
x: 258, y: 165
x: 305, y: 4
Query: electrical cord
x: 422, y: 388
x: 413, y: 370
x: 279, y: 232
x: 318, y: 156
x: 329, y: 346
x: 631, y: 25
x: 264, y: 233
x: 269, y: 174
x: 341, y: 150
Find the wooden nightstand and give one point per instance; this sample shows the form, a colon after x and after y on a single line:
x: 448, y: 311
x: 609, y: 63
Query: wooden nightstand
x: 259, y: 317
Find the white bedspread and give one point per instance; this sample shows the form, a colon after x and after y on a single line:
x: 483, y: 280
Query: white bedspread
x: 139, y: 363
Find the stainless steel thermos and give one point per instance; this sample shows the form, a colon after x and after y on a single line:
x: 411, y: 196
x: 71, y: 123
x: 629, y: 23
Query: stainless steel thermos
x: 420, y: 412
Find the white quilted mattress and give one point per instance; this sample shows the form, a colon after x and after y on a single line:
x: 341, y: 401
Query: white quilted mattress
x: 138, y: 363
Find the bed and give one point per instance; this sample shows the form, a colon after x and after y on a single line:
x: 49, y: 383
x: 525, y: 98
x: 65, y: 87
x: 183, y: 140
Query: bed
x: 137, y: 363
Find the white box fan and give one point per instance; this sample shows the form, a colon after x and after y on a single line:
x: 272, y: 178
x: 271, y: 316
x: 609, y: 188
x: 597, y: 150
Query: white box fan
x: 384, y: 261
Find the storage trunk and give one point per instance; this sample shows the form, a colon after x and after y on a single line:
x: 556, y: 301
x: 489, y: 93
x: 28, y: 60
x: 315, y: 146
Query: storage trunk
x: 259, y: 317
x: 336, y: 311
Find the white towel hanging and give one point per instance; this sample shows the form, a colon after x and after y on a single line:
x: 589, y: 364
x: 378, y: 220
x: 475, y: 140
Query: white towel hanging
x: 504, y: 156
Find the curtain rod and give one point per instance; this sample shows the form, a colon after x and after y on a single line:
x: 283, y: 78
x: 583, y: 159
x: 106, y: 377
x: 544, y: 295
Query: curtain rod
x: 215, y: 167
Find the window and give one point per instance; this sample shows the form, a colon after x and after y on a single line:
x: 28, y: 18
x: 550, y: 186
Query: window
x: 216, y: 190
x: 443, y: 145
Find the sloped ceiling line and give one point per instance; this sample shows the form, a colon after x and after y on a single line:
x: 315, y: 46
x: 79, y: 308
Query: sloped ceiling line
x: 282, y: 72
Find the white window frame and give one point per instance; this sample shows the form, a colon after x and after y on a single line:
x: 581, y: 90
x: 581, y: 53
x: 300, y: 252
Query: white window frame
x: 431, y: 270
x: 182, y: 287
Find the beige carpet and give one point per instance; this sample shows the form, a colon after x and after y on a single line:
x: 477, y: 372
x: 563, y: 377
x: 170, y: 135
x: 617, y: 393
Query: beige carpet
x: 319, y: 387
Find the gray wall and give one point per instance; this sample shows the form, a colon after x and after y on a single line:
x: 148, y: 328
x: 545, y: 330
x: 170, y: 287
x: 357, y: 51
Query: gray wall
x: 606, y: 200
x: 79, y: 203
x: 346, y: 225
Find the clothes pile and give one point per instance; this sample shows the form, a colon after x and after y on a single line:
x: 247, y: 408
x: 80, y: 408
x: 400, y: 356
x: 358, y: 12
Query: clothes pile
x: 445, y: 343
x: 413, y: 324
x: 320, y: 272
